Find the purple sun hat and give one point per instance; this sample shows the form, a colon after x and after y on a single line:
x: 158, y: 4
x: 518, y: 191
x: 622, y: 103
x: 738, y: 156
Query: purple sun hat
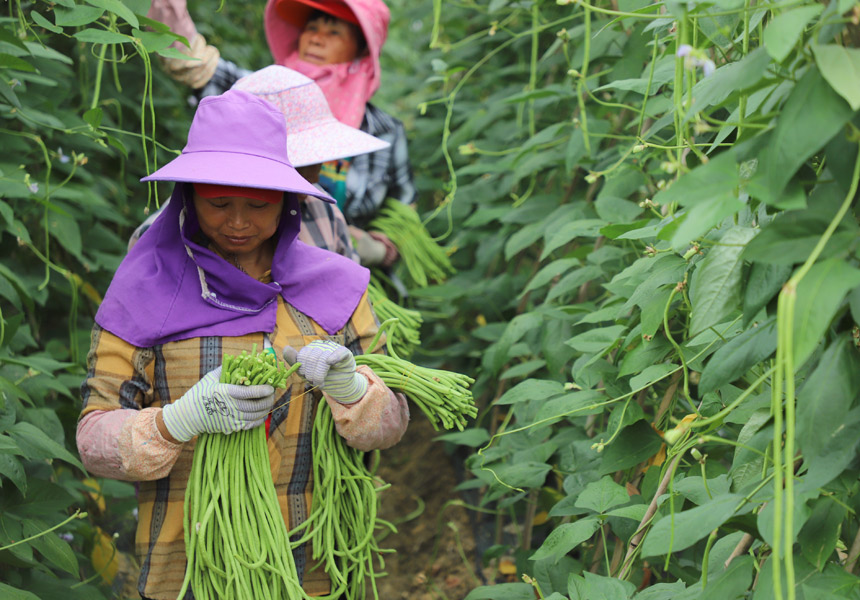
x: 237, y: 139
x: 314, y: 136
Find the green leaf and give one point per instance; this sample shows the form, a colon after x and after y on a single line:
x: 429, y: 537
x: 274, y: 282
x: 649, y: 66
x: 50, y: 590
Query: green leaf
x: 523, y: 238
x: 565, y: 538
x: 676, y: 532
x: 707, y: 182
x: 36, y: 444
x: 6, y: 35
x: 791, y: 237
x: 729, y: 78
x: 819, y: 295
x: 45, y: 23
x: 731, y: 583
x: 596, y: 340
x: 763, y: 284
x: 50, y: 546
x: 93, y: 117
x: 505, y: 591
x: 590, y: 586
x: 661, y: 591
x: 471, y: 437
x: 651, y: 375
x: 531, y: 389
x: 10, y: 467
x: 715, y: 287
x: 783, y: 32
x: 738, y: 356
x: 700, y: 219
x: 573, y: 281
x: 160, y: 42
x: 693, y: 488
x: 7, y: 92
x: 799, y: 133
x: 588, y: 228
x: 118, y: 8
x: 13, y: 62
x: 528, y: 474
x: 77, y: 16
x: 101, y: 36
x: 602, y: 495
x: 840, y: 67
x: 550, y: 272
x: 573, y: 404
x: 11, y: 593
x: 826, y: 397
x: 516, y: 329
x: 635, y: 444
x: 820, y: 534
x: 766, y: 516
x: 67, y: 232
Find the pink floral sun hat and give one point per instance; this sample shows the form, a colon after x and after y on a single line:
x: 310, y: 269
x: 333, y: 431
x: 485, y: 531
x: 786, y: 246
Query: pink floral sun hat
x: 314, y: 136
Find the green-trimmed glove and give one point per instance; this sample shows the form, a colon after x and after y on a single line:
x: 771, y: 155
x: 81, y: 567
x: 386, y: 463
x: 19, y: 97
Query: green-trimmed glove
x: 331, y: 367
x: 213, y: 407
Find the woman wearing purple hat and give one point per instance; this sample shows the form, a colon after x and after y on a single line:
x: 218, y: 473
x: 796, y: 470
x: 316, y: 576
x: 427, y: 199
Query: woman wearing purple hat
x: 221, y: 270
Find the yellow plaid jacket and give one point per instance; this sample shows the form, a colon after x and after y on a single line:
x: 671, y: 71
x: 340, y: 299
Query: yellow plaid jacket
x: 124, y: 376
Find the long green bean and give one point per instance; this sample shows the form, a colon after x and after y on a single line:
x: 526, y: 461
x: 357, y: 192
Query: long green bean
x: 236, y: 541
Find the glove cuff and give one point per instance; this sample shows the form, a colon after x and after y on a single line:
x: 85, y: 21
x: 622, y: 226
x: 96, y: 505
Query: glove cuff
x: 348, y: 392
x: 172, y: 418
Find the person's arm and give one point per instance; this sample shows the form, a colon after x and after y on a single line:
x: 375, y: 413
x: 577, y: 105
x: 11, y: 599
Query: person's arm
x: 380, y: 419
x: 205, y: 72
x: 367, y: 413
x: 118, y: 435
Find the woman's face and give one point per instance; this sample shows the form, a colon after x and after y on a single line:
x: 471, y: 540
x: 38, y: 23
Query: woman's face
x: 328, y: 41
x: 237, y: 225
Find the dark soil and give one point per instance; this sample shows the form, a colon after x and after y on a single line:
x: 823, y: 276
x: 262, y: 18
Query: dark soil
x: 435, y: 546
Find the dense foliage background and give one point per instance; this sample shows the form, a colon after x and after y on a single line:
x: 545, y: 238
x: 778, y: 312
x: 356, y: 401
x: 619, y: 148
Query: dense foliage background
x: 652, y: 210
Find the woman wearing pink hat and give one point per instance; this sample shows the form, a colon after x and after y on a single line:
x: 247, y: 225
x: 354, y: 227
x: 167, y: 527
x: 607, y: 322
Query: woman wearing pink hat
x: 218, y: 272
x: 337, y: 43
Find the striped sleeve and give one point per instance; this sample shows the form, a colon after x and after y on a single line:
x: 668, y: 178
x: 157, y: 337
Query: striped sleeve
x: 119, y: 375
x: 115, y: 438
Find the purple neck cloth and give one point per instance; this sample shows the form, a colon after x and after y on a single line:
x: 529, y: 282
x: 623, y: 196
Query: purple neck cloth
x: 170, y: 288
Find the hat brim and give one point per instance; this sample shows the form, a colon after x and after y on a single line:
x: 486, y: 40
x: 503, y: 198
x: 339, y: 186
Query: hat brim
x: 298, y: 11
x: 330, y: 140
x: 232, y: 168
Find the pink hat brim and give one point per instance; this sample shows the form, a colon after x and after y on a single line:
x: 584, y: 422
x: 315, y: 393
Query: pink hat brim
x: 329, y: 140
x: 232, y: 168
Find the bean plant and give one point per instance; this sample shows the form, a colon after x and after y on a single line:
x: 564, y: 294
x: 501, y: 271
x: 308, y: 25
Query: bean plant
x: 651, y: 210
x: 85, y: 112
x: 651, y: 207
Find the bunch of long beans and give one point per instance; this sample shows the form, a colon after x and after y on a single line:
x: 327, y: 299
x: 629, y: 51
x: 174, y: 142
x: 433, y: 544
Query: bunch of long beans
x: 443, y: 396
x: 423, y: 258
x: 405, y: 334
x: 343, y: 515
x: 236, y: 541
x: 343, y: 518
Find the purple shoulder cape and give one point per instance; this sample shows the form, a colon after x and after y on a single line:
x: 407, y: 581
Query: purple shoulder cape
x: 170, y: 288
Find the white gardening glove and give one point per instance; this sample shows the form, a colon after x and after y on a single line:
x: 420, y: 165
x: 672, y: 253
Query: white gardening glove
x: 331, y: 367
x: 213, y: 407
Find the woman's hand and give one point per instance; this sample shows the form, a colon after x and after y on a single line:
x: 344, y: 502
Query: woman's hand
x: 213, y: 407
x: 331, y: 367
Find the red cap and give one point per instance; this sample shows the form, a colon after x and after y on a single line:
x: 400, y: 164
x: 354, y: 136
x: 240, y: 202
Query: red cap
x: 297, y: 11
x: 214, y: 190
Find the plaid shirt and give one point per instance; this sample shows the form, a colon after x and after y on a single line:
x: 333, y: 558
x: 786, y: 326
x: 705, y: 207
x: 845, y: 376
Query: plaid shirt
x: 373, y: 177
x: 122, y: 376
x: 323, y: 226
